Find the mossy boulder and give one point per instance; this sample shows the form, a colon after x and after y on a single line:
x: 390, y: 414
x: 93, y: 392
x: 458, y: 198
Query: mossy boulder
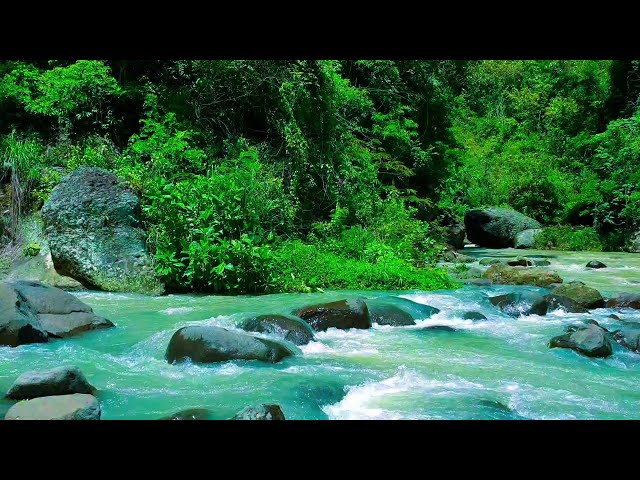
x: 560, y: 302
x: 581, y: 294
x: 506, y: 275
x: 496, y: 227
x: 489, y: 261
x: 92, y: 226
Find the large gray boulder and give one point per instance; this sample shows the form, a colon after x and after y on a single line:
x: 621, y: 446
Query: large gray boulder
x: 342, y: 314
x: 78, y: 406
x: 496, y: 227
x: 57, y: 381
x: 290, y: 328
x: 520, y: 303
x: 591, y: 341
x: 60, y: 313
x: 18, y: 323
x: 206, y: 344
x: 261, y: 412
x: 92, y: 225
x: 526, y: 238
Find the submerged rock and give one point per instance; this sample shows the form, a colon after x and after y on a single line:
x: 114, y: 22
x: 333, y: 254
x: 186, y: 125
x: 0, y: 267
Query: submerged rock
x: 473, y: 316
x: 578, y: 292
x: 560, y: 302
x: 190, y: 414
x: 590, y: 341
x: 18, y: 323
x: 262, y: 412
x: 60, y: 313
x: 92, y: 225
x: 595, y: 264
x: 78, y: 406
x: 496, y: 227
x: 520, y: 303
x: 46, y: 383
x: 629, y: 336
x: 526, y: 238
x: 506, y: 275
x: 625, y: 300
x: 440, y: 328
x: 292, y: 329
x: 207, y: 344
x: 342, y: 314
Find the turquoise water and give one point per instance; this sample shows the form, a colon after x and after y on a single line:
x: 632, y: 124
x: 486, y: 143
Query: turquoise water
x: 500, y: 368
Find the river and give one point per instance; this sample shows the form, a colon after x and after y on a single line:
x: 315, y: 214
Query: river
x: 500, y: 368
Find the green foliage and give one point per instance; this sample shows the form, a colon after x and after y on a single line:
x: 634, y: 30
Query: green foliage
x: 569, y: 238
x: 31, y: 249
x: 303, y: 268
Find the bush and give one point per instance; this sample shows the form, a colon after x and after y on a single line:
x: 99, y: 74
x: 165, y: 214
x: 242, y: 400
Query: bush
x: 569, y: 238
x: 31, y: 249
x: 303, y: 268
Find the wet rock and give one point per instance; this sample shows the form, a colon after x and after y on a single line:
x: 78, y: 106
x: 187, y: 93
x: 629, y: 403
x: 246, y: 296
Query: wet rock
x: 206, y: 344
x: 625, y: 300
x: 292, y: 329
x: 591, y: 341
x: 595, y: 264
x: 18, y: 323
x: 541, y: 263
x: 628, y: 336
x: 78, y: 406
x: 526, y: 238
x: 342, y: 314
x: 578, y: 292
x: 439, y: 328
x: 45, y: 383
x: 60, y: 313
x: 479, y: 282
x: 520, y: 303
x: 262, y: 412
x: 454, y: 234
x: 473, y: 316
x: 496, y: 227
x: 506, y: 275
x: 560, y: 302
x: 387, y: 314
x: 419, y: 311
x: 190, y: 414
x: 614, y: 316
x: 520, y: 262
x: 489, y: 261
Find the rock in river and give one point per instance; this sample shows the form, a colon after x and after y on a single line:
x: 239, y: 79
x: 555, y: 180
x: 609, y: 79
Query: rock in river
x: 18, y: 323
x: 290, y: 328
x: 560, y: 302
x: 625, y: 300
x: 190, y: 414
x: 397, y: 311
x: 262, y: 412
x: 503, y: 274
x: 520, y: 303
x: 595, y: 264
x: 341, y: 314
x: 45, y: 383
x: 60, y: 313
x: 496, y: 227
x: 578, y: 292
x: 629, y: 336
x: 205, y: 344
x: 473, y: 316
x: 78, y: 406
x: 92, y: 225
x: 591, y: 341
x: 526, y: 238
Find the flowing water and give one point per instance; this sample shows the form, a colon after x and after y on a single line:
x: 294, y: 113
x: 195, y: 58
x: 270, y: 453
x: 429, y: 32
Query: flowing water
x: 500, y: 368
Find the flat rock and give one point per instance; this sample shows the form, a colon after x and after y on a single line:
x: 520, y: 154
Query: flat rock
x: 78, y: 406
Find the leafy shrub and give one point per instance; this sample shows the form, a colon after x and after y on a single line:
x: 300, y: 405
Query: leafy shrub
x: 31, y: 249
x: 569, y: 238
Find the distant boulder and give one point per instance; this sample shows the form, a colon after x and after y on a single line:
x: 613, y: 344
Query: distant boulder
x: 506, y: 275
x: 496, y: 227
x: 595, y: 264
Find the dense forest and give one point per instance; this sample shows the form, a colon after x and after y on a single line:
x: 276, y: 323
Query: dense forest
x: 263, y: 176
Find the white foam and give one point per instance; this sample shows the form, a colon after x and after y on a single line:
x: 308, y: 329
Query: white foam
x: 177, y: 310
